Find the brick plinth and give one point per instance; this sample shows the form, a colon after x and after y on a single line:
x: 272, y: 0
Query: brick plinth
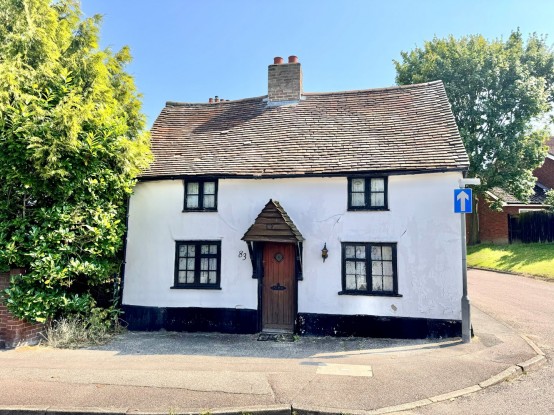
x: 13, y: 331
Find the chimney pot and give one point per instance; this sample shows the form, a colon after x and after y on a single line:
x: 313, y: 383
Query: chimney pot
x: 211, y: 100
x: 216, y: 98
x: 277, y: 60
x: 293, y: 59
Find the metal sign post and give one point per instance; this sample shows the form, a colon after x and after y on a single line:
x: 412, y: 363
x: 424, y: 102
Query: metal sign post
x: 463, y: 204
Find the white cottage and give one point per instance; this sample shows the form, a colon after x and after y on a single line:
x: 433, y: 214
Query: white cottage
x: 318, y: 213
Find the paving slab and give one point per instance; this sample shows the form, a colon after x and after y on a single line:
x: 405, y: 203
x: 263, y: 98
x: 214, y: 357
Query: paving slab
x: 198, y: 372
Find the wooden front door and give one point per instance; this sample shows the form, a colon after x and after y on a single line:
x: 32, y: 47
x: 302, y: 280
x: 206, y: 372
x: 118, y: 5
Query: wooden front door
x: 278, y: 287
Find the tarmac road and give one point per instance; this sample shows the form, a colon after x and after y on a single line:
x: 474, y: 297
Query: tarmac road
x: 527, y: 305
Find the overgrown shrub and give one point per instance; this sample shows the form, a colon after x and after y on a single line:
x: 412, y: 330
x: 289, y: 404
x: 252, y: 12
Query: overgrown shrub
x: 77, y: 331
x: 72, y: 141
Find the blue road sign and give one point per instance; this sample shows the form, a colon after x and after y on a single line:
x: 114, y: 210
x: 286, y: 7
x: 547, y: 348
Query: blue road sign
x: 462, y: 201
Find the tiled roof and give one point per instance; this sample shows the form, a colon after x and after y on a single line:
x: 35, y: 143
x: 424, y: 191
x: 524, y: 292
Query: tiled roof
x: 407, y: 128
x: 273, y: 224
x: 538, y: 196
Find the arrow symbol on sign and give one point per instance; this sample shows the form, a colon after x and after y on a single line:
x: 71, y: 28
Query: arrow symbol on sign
x: 462, y: 197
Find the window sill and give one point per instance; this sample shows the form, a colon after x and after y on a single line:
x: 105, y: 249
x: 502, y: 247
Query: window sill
x: 364, y: 209
x: 199, y: 210
x: 371, y: 294
x: 194, y: 287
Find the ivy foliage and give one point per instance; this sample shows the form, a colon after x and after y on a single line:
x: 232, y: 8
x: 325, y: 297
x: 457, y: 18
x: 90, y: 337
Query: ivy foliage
x: 498, y: 89
x: 72, y: 141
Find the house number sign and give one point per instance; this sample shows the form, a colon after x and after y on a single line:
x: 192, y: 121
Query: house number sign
x: 242, y: 255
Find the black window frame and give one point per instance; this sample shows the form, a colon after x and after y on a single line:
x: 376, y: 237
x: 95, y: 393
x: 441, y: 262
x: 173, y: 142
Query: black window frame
x: 369, y: 277
x: 201, y: 182
x: 197, y: 259
x: 368, y: 192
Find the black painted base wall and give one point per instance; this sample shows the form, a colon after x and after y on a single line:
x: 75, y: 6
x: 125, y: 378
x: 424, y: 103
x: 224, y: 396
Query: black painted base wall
x: 223, y: 320
x: 244, y: 321
x: 376, y: 326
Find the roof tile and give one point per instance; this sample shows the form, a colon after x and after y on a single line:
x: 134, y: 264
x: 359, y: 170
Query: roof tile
x: 388, y: 129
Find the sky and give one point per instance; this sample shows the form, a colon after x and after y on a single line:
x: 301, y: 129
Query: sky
x: 190, y: 50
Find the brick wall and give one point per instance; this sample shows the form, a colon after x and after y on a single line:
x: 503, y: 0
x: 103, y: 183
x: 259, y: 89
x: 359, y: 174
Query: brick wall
x: 13, y: 331
x: 284, y: 82
x: 545, y: 173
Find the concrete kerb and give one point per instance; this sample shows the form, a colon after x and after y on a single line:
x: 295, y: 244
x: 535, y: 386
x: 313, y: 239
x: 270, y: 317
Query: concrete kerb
x: 45, y: 410
x: 507, y: 374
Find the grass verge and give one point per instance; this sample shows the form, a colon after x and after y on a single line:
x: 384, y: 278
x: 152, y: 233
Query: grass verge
x: 532, y: 259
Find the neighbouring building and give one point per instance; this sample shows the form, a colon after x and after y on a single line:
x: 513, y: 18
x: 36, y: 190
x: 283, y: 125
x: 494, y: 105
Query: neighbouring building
x: 501, y: 226
x: 317, y: 213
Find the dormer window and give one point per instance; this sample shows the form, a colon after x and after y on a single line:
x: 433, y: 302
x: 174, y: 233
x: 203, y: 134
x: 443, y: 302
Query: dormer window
x: 200, y: 195
x: 367, y: 193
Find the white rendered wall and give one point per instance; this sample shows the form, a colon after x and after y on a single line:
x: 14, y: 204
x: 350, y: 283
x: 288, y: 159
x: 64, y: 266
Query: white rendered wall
x: 420, y: 220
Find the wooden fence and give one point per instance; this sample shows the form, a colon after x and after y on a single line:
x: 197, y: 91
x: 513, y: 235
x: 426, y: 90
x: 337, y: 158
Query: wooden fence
x: 531, y: 227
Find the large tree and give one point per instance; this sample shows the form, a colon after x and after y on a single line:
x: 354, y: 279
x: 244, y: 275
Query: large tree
x: 498, y: 90
x: 72, y: 141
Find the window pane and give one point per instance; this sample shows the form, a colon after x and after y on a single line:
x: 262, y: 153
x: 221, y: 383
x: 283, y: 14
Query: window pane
x: 350, y: 282
x: 190, y: 277
x: 209, y: 202
x: 213, y: 249
x: 350, y: 251
x: 388, y: 284
x: 192, y: 188
x: 350, y: 267
x: 360, y: 251
x: 377, y: 199
x: 360, y: 268
x: 204, y: 264
x: 387, y: 268
x: 213, y: 277
x: 358, y: 199
x: 358, y: 185
x: 182, y: 278
x: 203, y: 277
x: 192, y: 202
x: 361, y: 276
x: 213, y: 264
x: 377, y: 284
x: 376, y: 268
x: 387, y: 252
x: 191, y: 250
x: 209, y: 188
x: 190, y: 264
x: 182, y: 263
x: 377, y: 185
x: 376, y: 252
x: 183, y: 250
x: 205, y: 249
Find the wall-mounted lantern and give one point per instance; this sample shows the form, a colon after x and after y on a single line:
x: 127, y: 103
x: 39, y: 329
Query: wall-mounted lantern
x: 324, y: 252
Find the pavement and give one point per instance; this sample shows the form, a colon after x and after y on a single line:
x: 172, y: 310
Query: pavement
x: 174, y: 373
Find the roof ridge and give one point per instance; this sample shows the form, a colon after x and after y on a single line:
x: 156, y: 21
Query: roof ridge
x: 387, y: 88
x: 212, y: 104
x: 352, y: 91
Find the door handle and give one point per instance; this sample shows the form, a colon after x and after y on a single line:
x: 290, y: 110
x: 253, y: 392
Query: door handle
x: 278, y: 287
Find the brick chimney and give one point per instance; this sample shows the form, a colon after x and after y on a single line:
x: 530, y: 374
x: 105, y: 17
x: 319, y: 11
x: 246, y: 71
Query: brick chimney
x: 284, y: 80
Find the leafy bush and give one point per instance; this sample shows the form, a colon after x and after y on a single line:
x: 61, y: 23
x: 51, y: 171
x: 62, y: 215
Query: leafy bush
x: 72, y: 142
